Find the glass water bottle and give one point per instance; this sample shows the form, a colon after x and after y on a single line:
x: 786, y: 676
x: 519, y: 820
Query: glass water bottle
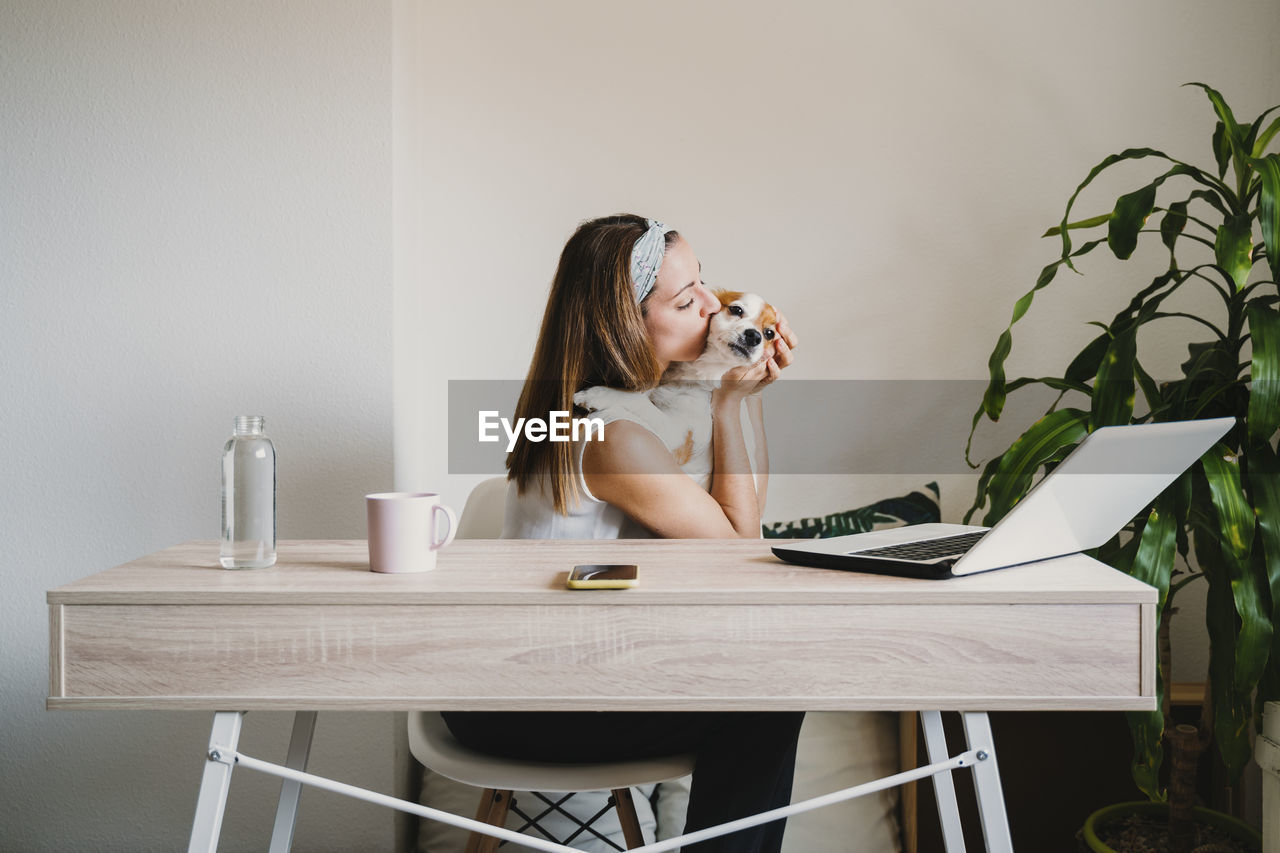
x: 248, y: 497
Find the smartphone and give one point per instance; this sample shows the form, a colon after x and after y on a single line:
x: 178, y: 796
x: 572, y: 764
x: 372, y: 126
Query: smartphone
x: 603, y: 576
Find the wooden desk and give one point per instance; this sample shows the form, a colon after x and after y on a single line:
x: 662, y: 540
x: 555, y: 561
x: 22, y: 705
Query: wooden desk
x: 714, y: 624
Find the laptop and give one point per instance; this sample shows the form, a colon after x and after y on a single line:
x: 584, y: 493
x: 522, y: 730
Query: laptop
x: 1083, y: 502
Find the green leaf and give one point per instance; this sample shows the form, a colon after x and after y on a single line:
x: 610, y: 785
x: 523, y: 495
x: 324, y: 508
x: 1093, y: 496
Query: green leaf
x: 1117, y: 555
x: 1053, y: 382
x: 1233, y: 248
x: 994, y: 398
x: 1091, y: 222
x: 1231, y: 711
x: 1145, y: 301
x: 1219, y: 105
x: 1153, y: 563
x: 1172, y: 226
x: 1113, y: 391
x: 1256, y: 141
x: 1147, y: 728
x: 1264, y: 483
x: 1128, y: 154
x: 1085, y: 365
x: 1182, y: 492
x: 1150, y: 390
x: 1208, y: 359
x: 1235, y: 515
x: 1269, y: 209
x: 1214, y: 199
x: 1221, y: 149
x: 1087, y: 362
x: 1064, y: 229
x: 1039, y: 444
x: 1264, y: 372
x: 1062, y: 385
x: 1235, y: 529
x: 1132, y: 210
x: 981, y: 497
x: 1264, y: 139
x: 1232, y: 128
x: 1269, y: 684
x: 1210, y: 362
x: 1231, y: 707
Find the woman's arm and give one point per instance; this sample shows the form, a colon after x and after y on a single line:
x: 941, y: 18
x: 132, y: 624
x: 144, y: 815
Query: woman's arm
x: 633, y: 470
x: 755, y: 412
x: 732, y: 483
x: 783, y: 345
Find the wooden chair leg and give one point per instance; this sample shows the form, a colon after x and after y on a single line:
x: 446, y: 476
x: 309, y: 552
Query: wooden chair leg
x: 493, y: 811
x: 909, y: 799
x: 626, y: 809
x: 482, y: 815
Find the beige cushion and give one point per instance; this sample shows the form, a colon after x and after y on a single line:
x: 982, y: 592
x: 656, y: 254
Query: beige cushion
x: 840, y: 749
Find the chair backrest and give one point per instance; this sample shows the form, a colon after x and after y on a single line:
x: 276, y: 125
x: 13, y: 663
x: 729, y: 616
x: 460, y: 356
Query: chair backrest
x: 483, y: 513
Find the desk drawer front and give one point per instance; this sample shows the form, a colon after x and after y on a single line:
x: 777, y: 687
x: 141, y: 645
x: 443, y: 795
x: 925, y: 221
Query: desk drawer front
x: 601, y: 656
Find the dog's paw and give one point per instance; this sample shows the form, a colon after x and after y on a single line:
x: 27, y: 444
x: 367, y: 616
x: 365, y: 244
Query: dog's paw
x: 598, y: 397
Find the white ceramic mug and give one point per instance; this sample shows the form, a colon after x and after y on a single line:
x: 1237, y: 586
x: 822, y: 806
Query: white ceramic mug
x: 402, y: 530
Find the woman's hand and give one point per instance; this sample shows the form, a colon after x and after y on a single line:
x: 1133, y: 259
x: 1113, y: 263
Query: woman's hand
x: 741, y: 382
x: 784, y: 343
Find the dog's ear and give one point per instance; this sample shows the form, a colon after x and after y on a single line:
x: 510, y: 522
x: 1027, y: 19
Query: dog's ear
x: 768, y: 316
x: 727, y: 297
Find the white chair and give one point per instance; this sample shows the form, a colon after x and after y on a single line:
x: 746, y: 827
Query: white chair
x: 434, y: 746
x: 483, y: 512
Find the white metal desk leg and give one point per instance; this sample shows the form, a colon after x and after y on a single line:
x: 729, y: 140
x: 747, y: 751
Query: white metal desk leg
x: 216, y: 780
x: 304, y: 726
x: 986, y: 783
x: 944, y: 788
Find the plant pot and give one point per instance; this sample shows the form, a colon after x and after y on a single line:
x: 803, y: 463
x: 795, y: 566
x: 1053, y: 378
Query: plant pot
x: 1236, y: 829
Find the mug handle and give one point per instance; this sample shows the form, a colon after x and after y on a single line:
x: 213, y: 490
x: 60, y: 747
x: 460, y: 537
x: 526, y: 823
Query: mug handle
x: 453, y: 526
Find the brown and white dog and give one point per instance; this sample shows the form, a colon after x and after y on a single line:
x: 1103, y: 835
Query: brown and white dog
x: 678, y: 411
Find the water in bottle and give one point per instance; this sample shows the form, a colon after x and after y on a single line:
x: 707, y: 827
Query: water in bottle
x: 248, y: 497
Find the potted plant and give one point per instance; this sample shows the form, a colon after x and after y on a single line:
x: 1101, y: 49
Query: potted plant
x: 1225, y: 511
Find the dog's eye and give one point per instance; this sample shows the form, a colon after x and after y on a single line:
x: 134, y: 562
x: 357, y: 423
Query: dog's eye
x: 735, y: 310
x: 768, y: 334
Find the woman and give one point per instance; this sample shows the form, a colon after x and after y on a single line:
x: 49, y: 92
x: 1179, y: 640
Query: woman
x: 627, y: 301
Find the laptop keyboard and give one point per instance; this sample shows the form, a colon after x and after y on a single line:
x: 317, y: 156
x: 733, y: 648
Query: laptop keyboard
x: 929, y: 549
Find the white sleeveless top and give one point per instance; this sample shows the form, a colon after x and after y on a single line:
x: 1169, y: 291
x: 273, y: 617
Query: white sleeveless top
x: 533, y: 515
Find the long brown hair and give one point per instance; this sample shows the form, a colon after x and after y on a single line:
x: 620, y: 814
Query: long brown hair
x: 592, y: 334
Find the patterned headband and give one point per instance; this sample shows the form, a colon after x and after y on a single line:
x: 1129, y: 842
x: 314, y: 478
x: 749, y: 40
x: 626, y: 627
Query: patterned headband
x: 646, y: 258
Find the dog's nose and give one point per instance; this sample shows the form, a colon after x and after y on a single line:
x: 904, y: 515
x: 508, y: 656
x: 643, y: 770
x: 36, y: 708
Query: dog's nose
x: 751, y: 337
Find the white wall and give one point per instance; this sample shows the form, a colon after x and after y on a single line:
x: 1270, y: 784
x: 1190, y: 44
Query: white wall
x: 882, y: 172
x: 195, y: 222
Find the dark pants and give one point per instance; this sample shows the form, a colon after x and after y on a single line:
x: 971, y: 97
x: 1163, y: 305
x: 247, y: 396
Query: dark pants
x: 744, y: 759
